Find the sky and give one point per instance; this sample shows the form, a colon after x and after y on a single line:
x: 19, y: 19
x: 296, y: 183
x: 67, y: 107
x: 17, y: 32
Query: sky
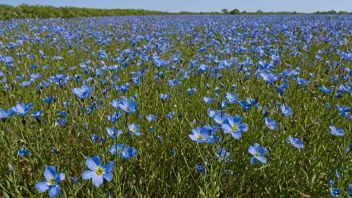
x: 200, y: 5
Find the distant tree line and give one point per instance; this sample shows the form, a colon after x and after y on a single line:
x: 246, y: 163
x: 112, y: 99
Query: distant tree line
x: 236, y: 11
x: 39, y: 11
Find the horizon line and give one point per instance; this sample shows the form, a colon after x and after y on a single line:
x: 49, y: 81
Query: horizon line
x: 220, y: 11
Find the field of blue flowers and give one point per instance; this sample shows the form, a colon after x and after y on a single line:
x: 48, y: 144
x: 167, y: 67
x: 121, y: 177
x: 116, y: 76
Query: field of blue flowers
x: 176, y: 106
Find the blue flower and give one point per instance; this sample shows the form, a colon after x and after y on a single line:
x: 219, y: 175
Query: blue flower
x: 258, y: 153
x: 116, y: 149
x: 200, y: 168
x: 271, y: 124
x: 61, y: 121
x: 98, y: 172
x: 232, y: 98
x: 211, y: 112
x: 234, y: 126
x: 128, y: 152
x: 248, y: 103
x: 23, y: 152
x: 331, y: 182
x: 95, y: 138
x: 125, y: 105
x: 268, y: 77
x: 151, y: 117
x: 48, y: 100
x: 296, y: 142
x: 51, y: 183
x: 220, y: 118
x: 4, y: 114
x: 191, y: 91
x: 83, y: 92
x: 170, y: 115
x: 211, y: 129
x: 282, y: 88
x: 213, y: 138
x: 324, y: 89
x: 335, y: 192
x: 286, y: 110
x: 22, y: 109
x: 151, y: 129
x: 113, y: 133
x: 114, y: 117
x: 223, y: 104
x: 173, y: 83
x: 222, y: 154
x: 208, y: 100
x: 55, y: 150
x: 160, y: 138
x: 134, y: 129
x: 38, y: 114
x: 336, y: 132
x: 62, y: 114
x: 244, y: 104
x: 174, y: 151
x: 75, y: 180
x: 200, y: 135
x: 165, y: 96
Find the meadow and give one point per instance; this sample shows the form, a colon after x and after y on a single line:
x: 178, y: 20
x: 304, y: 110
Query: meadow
x: 176, y: 106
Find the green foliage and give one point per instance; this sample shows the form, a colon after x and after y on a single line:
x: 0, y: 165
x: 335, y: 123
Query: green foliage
x: 259, y: 12
x: 156, y: 172
x: 40, y: 11
x: 225, y: 11
x: 235, y: 11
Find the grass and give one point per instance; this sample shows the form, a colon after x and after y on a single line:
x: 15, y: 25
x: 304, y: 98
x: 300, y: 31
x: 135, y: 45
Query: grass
x: 156, y: 171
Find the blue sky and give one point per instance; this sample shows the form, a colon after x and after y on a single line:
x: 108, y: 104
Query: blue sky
x: 201, y: 5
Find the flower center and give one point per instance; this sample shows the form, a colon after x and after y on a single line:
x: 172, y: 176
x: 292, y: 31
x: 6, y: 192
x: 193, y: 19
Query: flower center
x: 99, y: 171
x: 234, y: 127
x: 256, y: 154
x: 200, y: 137
x: 51, y: 181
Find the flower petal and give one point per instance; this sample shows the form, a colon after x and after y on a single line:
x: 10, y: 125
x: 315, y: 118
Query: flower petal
x: 243, y: 127
x: 49, y: 172
x: 237, y: 135
x: 88, y: 174
x: 262, y: 151
x: 262, y: 159
x: 254, y: 160
x: 227, y: 128
x: 97, y: 180
x: 108, y: 176
x: 92, y: 163
x: 237, y: 119
x: 54, y: 191
x: 108, y: 167
x: 42, y: 186
x: 251, y: 150
x: 59, y: 177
